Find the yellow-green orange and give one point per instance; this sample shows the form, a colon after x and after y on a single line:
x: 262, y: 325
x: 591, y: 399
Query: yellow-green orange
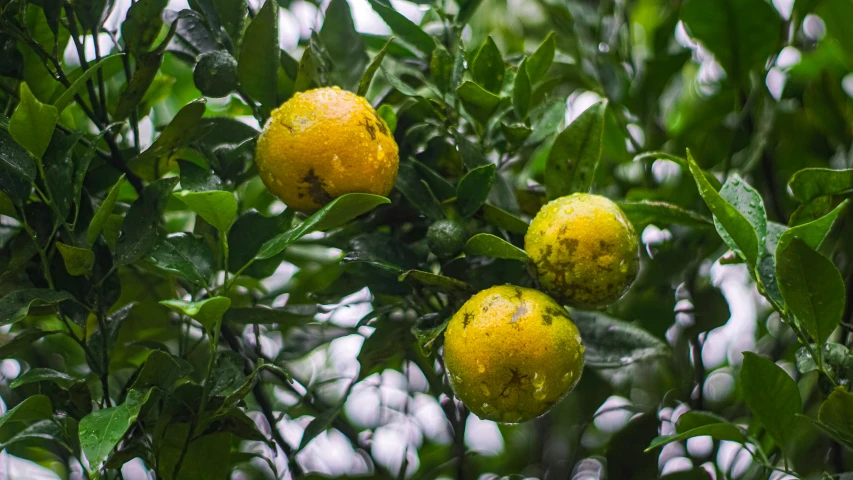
x: 512, y: 353
x: 584, y: 248
x: 324, y: 143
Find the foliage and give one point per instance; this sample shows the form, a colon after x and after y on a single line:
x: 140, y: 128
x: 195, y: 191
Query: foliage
x: 163, y: 306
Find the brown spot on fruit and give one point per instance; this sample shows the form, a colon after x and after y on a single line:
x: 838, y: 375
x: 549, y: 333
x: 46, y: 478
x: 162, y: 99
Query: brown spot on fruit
x: 315, y: 188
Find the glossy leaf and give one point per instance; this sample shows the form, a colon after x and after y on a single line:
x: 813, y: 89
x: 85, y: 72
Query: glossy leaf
x: 101, y: 430
x: 521, y: 92
x: 488, y: 245
x: 36, y: 407
x: 344, y: 44
x: 478, y: 101
x: 15, y: 306
x: 338, y: 212
x: 104, y: 211
x: 185, y: 255
x: 417, y: 192
x: 836, y: 414
x: 812, y: 288
x: 810, y: 183
x: 748, y: 202
x: 44, y: 375
x: 772, y: 396
x: 207, y: 312
x: 367, y: 77
x: 736, y: 227
x: 474, y: 188
x: 142, y: 25
x: 440, y: 282
x: 540, y: 61
x: 139, y: 229
x: 68, y: 95
x: 259, y: 56
x: 216, y: 207
x: 403, y: 27
x: 612, y: 343
x: 574, y: 157
x: 644, y: 213
x: 22, y: 341
x: 815, y: 232
x: 488, y: 66
x: 503, y: 219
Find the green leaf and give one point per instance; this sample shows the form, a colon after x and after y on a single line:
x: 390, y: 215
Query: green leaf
x: 23, y: 340
x: 521, y: 92
x: 14, y: 158
x: 772, y: 396
x: 207, y: 312
x: 441, y: 66
x: 516, y: 133
x: 503, y: 219
x: 386, y: 113
x: 428, y: 329
x: 78, y: 261
x: 258, y: 61
x: 812, y: 288
x: 398, y: 84
x: 100, y: 431
x: 185, y: 128
x: 161, y: 370
x: 748, y: 202
x: 417, y: 192
x: 36, y: 407
x: 810, y: 183
x: 403, y: 27
x: 32, y: 123
x: 478, y: 101
x: 142, y: 25
x: 244, y: 247
x: 68, y: 95
x: 386, y: 342
x: 833, y: 13
x: 315, y: 67
x: 216, y: 207
x: 737, y: 228
x: 139, y: 229
x: 741, y: 34
x: 836, y: 414
x: 488, y: 245
x: 44, y: 375
x: 338, y: 212
x: 198, y: 179
x: 540, y: 61
x: 612, y: 343
x: 440, y: 282
x: 59, y: 171
x: 344, y: 44
x: 147, y: 66
x: 185, y: 255
x: 815, y: 232
x: 720, y: 430
x: 81, y: 166
x: 106, y: 208
x: 644, y: 213
x: 488, y: 66
x: 573, y: 158
x: 15, y: 306
x: 474, y: 188
x: 364, y: 84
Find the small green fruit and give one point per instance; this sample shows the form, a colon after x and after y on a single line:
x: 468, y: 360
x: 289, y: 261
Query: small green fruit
x: 446, y: 238
x: 215, y: 74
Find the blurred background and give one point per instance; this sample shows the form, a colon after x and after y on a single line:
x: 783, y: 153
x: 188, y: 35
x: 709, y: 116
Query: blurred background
x: 667, y: 92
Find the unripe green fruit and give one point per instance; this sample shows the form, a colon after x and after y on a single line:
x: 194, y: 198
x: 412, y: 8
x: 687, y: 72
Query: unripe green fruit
x: 446, y: 238
x: 215, y: 74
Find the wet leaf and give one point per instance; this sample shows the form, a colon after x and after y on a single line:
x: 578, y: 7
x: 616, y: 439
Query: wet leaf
x: 772, y: 396
x: 488, y: 245
x: 574, y: 157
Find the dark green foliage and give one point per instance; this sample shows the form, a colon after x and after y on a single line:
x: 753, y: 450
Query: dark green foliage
x: 170, y: 315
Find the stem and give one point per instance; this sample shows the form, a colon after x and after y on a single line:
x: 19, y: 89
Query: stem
x: 105, y: 375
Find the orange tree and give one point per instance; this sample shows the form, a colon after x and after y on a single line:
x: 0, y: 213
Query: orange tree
x: 163, y: 313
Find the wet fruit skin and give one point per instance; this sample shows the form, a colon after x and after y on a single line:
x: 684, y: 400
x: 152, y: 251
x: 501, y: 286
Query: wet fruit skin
x: 324, y: 143
x: 585, y: 250
x: 446, y: 238
x: 215, y: 74
x: 512, y: 353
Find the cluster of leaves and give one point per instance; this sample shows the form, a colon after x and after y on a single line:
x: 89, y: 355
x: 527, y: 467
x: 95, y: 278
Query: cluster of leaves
x: 129, y: 256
